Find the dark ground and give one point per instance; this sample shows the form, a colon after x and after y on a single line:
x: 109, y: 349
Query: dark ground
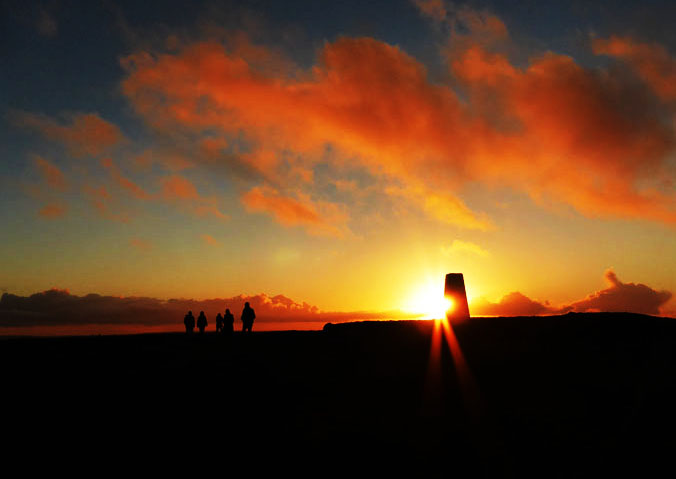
x: 569, y: 396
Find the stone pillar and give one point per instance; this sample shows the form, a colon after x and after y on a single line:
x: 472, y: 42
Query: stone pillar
x: 455, y: 291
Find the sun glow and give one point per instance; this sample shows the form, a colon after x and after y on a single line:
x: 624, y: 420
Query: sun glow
x: 430, y: 302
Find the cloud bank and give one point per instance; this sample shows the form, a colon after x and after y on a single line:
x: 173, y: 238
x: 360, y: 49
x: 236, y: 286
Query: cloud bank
x: 617, y: 297
x: 57, y: 307
x: 60, y: 308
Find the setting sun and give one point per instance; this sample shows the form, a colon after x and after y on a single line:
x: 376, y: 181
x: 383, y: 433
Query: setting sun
x: 429, y: 301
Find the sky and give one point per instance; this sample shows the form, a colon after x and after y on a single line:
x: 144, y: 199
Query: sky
x: 337, y: 158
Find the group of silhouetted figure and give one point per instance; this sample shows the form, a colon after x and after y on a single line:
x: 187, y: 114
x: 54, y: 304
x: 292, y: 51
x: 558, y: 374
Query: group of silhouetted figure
x: 225, y: 324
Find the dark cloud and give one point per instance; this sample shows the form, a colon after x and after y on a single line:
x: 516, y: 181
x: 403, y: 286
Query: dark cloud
x: 513, y: 304
x: 59, y: 308
x: 46, y: 23
x: 618, y: 297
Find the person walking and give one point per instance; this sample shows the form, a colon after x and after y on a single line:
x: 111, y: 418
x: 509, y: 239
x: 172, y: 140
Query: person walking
x: 201, y: 322
x: 248, y: 316
x: 228, y: 323
x: 189, y: 322
x: 219, y: 323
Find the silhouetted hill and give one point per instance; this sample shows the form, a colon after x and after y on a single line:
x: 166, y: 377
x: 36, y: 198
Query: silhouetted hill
x: 579, y: 394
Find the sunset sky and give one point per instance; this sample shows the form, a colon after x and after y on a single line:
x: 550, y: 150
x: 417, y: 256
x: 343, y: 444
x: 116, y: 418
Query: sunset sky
x: 341, y: 156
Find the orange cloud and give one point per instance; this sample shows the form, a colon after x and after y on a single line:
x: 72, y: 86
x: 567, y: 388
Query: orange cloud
x: 210, y: 240
x: 135, y: 190
x: 87, y: 134
x: 141, y: 244
x: 179, y: 190
x: 652, y: 62
x: 170, y: 160
x: 101, y: 200
x: 178, y: 187
x: 318, y: 218
x: 52, y: 211
x: 434, y: 9
x: 553, y: 129
x: 174, y: 189
x: 52, y: 175
x: 462, y: 247
x: 578, y: 136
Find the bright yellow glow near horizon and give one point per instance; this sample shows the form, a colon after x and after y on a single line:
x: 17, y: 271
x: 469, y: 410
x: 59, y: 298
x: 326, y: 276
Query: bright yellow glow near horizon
x: 429, y: 301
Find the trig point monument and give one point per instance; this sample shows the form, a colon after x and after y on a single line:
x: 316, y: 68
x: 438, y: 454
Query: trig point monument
x: 455, y: 291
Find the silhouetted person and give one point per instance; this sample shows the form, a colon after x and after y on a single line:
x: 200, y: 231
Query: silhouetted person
x: 219, y: 323
x: 248, y: 316
x: 201, y: 322
x: 228, y: 323
x: 189, y: 322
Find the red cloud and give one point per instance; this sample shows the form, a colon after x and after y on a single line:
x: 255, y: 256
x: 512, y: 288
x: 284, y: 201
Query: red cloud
x: 553, y: 129
x: 87, y: 134
x: 323, y: 219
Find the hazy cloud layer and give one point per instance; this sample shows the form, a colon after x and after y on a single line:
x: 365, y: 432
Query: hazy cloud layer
x: 464, y: 247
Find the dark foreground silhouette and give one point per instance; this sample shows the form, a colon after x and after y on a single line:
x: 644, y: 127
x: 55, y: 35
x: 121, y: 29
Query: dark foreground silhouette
x: 571, y: 396
x: 248, y: 316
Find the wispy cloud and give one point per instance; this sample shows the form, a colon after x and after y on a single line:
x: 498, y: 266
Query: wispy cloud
x: 210, y: 240
x: 462, y: 247
x: 52, y: 211
x: 141, y: 244
x: 318, y: 218
x: 84, y: 134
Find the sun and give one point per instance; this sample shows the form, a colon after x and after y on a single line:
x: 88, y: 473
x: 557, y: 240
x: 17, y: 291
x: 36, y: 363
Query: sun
x: 429, y: 301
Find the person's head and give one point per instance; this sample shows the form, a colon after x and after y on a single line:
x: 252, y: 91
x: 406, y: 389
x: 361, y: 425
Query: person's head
x: 227, y: 311
x: 189, y: 313
x: 201, y: 313
x: 246, y: 305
